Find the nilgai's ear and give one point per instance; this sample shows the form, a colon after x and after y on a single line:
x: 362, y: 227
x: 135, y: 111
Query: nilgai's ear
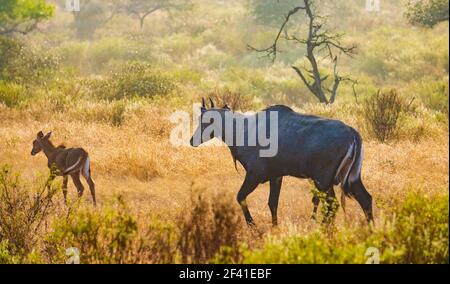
x: 47, y: 136
x: 212, y: 103
x: 40, y: 134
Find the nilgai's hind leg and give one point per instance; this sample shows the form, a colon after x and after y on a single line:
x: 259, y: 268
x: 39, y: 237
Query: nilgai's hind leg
x: 86, y: 172
x: 76, y: 180
x: 64, y: 188
x: 249, y: 185
x: 364, y: 198
x: 275, y: 187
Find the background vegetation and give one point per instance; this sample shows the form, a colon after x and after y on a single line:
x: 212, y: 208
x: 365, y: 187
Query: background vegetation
x: 102, y: 80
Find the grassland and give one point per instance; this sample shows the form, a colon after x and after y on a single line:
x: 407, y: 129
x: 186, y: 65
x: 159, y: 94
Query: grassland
x: 158, y: 203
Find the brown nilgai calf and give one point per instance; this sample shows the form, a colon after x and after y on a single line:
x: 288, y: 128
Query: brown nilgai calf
x: 64, y: 161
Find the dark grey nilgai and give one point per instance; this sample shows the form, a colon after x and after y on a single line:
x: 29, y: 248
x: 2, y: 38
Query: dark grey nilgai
x: 309, y: 147
x: 64, y: 161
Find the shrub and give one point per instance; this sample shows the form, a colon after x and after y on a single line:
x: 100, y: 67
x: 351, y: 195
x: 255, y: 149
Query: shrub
x: 234, y: 99
x: 101, y: 237
x: 134, y: 80
x: 24, y: 65
x: 416, y: 232
x: 210, y: 229
x: 11, y: 94
x: 382, y: 113
x: 23, y: 211
x: 111, y: 235
x: 433, y: 94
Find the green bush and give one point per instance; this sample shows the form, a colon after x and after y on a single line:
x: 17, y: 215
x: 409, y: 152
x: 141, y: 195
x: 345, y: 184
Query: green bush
x: 433, y: 94
x: 416, y: 232
x: 101, y: 237
x: 23, y: 210
x: 134, y: 80
x: 11, y: 94
x: 382, y: 113
x: 25, y: 64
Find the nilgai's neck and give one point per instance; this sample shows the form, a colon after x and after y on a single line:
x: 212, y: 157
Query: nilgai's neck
x: 48, y: 148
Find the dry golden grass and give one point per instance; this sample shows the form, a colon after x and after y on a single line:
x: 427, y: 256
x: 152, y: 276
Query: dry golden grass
x: 136, y: 161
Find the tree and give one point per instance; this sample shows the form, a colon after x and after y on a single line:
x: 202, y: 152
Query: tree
x: 142, y: 9
x: 318, y: 42
x: 22, y: 16
x: 427, y: 13
x: 93, y: 14
x: 269, y: 12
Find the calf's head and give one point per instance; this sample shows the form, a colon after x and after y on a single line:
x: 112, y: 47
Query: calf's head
x: 39, y: 142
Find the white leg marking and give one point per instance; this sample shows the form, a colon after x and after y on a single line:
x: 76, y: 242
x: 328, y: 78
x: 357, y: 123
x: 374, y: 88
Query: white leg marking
x: 86, y: 167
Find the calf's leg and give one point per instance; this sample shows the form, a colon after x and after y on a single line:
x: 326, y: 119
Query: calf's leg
x: 76, y: 180
x: 64, y: 188
x: 86, y: 172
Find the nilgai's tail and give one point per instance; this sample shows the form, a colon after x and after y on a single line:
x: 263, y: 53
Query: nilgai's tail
x: 354, y: 167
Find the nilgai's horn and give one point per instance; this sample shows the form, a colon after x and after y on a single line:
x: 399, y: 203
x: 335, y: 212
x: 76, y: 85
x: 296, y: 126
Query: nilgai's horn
x: 212, y: 103
x: 203, y: 103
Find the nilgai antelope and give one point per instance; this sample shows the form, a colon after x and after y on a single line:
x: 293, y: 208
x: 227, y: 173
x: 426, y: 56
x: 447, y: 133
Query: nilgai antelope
x: 64, y: 161
x: 326, y: 151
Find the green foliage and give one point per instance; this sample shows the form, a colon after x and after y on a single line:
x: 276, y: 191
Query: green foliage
x: 133, y: 80
x: 22, y: 16
x: 427, y: 12
x: 395, y: 55
x: 101, y: 237
x: 93, y: 15
x: 432, y: 93
x: 23, y: 211
x: 382, y: 112
x: 270, y: 12
x: 11, y: 94
x: 26, y: 65
x: 417, y: 232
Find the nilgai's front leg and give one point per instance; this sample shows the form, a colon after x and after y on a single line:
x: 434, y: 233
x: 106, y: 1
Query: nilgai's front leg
x: 76, y: 180
x: 249, y: 185
x: 316, y: 202
x: 274, y: 196
x: 64, y: 188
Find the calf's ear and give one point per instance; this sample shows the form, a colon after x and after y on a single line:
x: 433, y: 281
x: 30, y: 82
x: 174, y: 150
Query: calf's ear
x: 48, y: 135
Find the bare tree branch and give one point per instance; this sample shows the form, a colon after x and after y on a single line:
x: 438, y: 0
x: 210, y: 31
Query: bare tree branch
x: 317, y: 42
x: 272, y: 50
